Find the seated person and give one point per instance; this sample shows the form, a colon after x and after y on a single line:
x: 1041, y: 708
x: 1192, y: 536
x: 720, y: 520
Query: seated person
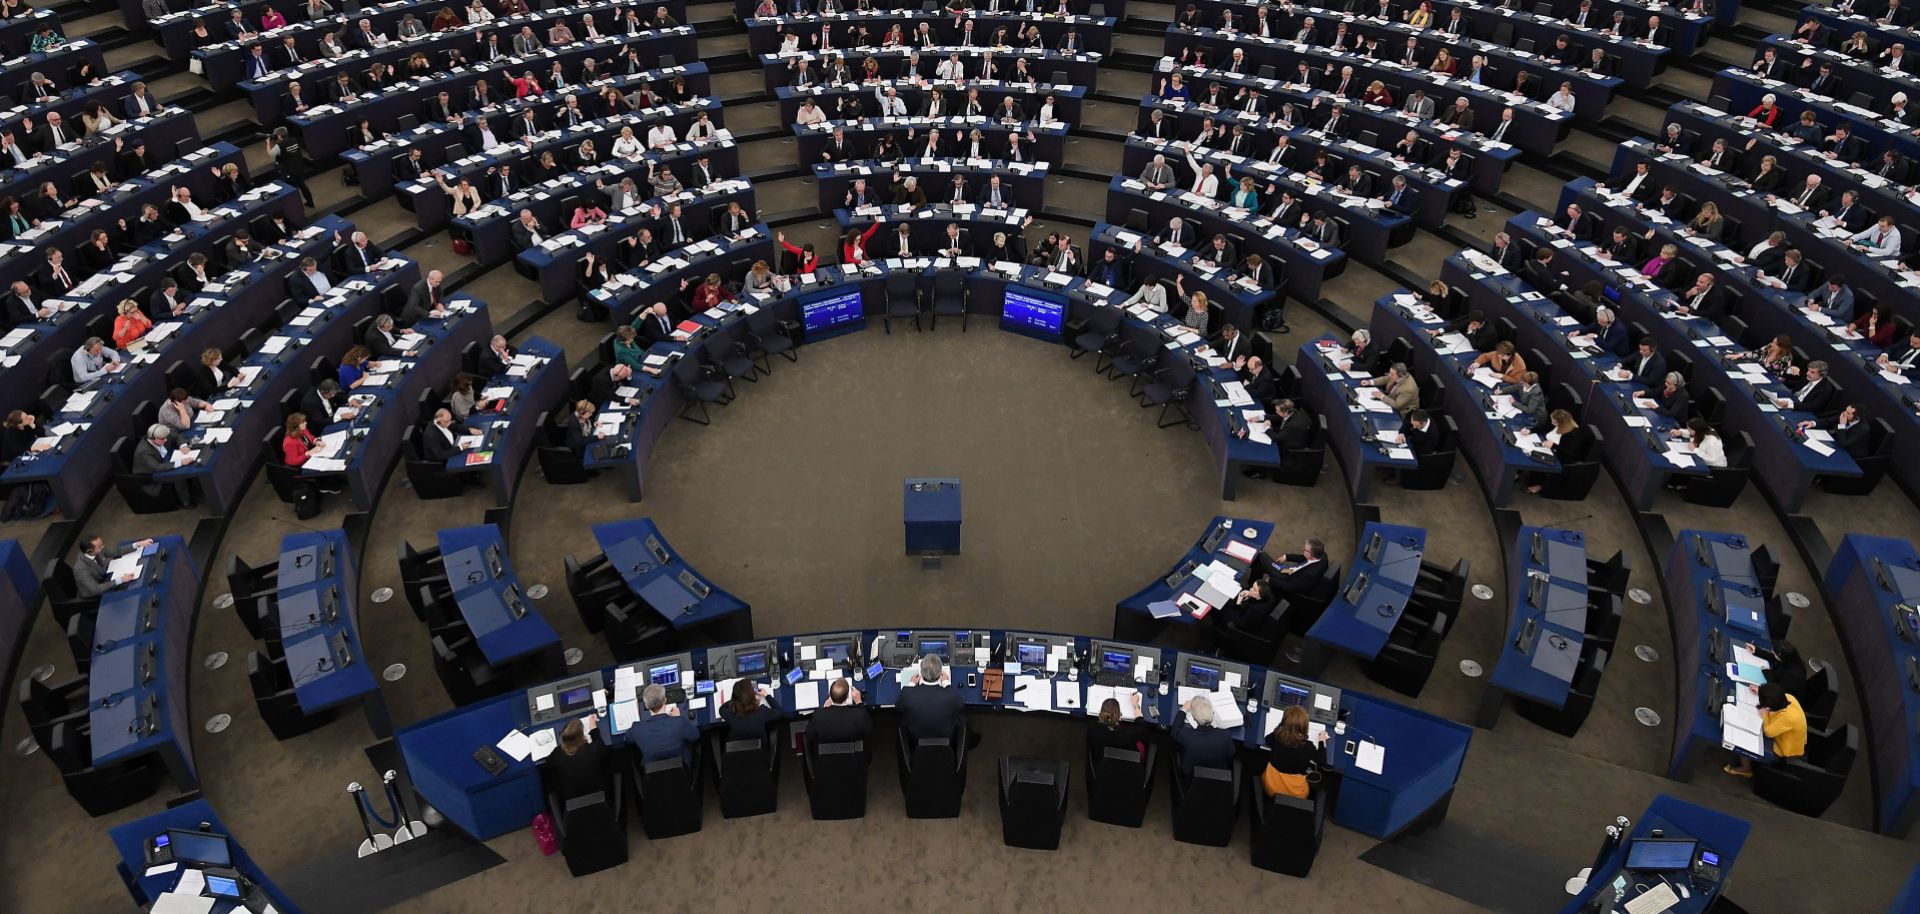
x: 1291, y: 756
x: 1301, y: 570
x: 930, y: 708
x: 751, y: 712
x: 663, y: 733
x: 580, y: 767
x: 1201, y: 744
x: 1782, y: 721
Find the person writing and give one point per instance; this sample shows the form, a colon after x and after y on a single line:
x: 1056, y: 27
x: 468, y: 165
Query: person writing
x: 663, y: 733
x: 843, y: 719
x: 580, y: 767
x: 1782, y: 721
x: 751, y: 712
x: 1201, y: 744
x: 1112, y: 730
x: 1292, y: 756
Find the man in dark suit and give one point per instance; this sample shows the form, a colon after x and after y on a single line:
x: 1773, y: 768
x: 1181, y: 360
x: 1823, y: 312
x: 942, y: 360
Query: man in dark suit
x: 527, y: 231
x: 605, y: 385
x: 440, y: 110
x: 1809, y: 196
x: 1703, y: 299
x: 23, y: 306
x: 1850, y: 432
x: 654, y: 324
x: 1291, y: 430
x: 1647, y: 365
x: 930, y: 708
x: 358, y: 255
x: 664, y: 733
x: 308, y: 284
x: 1258, y: 380
x: 1843, y: 145
x: 1815, y: 394
x: 1422, y: 435
x: 1576, y: 222
x: 1794, y: 273
x: 1199, y: 742
x: 1301, y: 572
x: 423, y: 302
x: 1543, y: 274
x: 1903, y: 356
x: 1623, y: 247
x: 497, y: 358
x: 842, y: 719
x: 526, y: 125
x: 325, y: 404
x: 439, y: 440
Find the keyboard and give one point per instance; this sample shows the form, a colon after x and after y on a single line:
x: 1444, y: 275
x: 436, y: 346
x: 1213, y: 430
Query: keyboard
x: 1111, y: 679
x: 1654, y: 900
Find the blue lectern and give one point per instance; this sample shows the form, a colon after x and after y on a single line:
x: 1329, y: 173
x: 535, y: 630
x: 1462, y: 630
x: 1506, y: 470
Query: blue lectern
x: 932, y: 509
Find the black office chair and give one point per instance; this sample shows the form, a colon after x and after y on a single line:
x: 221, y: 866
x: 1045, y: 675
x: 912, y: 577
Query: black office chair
x: 465, y: 673
x: 1722, y: 486
x: 560, y: 466
x: 669, y: 792
x: 1101, y: 330
x: 1119, y: 785
x: 1435, y: 468
x: 101, y: 789
x: 1134, y: 360
x: 836, y: 778
x: 273, y: 695
x: 1206, y: 806
x: 903, y: 299
x: 1406, y: 663
x: 43, y: 705
x: 1307, y: 610
x: 1169, y: 391
x: 1873, y: 466
x: 1809, y: 784
x: 1286, y: 832
x: 1033, y: 802
x: 135, y: 487
x: 1438, y: 589
x: 1566, y: 720
x: 591, y: 586
x: 1818, y: 699
x: 591, y: 828
x: 1302, y: 466
x: 731, y: 361
x: 933, y: 774
x: 1576, y: 478
x: 1255, y: 641
x: 949, y: 298
x: 634, y: 632
x: 63, y: 593
x: 700, y: 386
x: 748, y: 776
x: 1611, y: 576
x: 245, y: 581
x: 80, y: 642
x: 1604, y: 617
x: 768, y: 336
x: 429, y: 479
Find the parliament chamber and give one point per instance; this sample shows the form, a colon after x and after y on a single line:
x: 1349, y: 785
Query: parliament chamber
x: 1424, y: 455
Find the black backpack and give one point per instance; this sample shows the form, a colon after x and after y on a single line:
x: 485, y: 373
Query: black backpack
x: 306, y: 501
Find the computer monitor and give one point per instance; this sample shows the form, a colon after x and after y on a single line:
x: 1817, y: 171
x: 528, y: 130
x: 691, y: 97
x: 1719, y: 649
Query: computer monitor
x: 199, y: 848
x: 935, y: 646
x: 1033, y: 314
x: 837, y: 651
x: 1657, y: 854
x: 1288, y: 694
x: 1030, y: 654
x: 750, y: 663
x: 664, y: 674
x: 575, y: 697
x: 1203, y: 675
x: 1114, y: 661
x: 831, y: 313
x: 224, y: 884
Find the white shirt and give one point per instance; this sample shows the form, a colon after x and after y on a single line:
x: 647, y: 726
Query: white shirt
x: 951, y: 69
x: 1562, y: 100
x: 321, y: 284
x: 193, y: 209
x: 627, y: 147
x: 811, y: 116
x: 1759, y: 249
x: 88, y: 367
x: 1153, y: 295
x: 660, y: 135
x: 1710, y: 451
x: 1880, y: 242
x: 703, y: 130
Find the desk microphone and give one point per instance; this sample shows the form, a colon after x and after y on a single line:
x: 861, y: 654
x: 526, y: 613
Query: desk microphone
x: 1566, y: 522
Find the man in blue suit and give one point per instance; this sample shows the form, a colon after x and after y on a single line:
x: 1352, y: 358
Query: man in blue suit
x: 664, y: 733
x: 1647, y: 366
x: 1835, y: 299
x: 1399, y: 197
x: 1608, y: 334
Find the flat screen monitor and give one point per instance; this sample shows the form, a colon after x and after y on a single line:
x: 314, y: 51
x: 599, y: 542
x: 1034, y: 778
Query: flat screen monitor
x: 750, y: 663
x: 837, y: 651
x: 1033, y: 314
x: 199, y: 848
x: 1660, y: 854
x: 935, y: 646
x: 1203, y: 676
x: 577, y: 697
x: 831, y: 312
x: 1286, y: 694
x: 1113, y: 661
x: 221, y: 885
x: 1030, y: 654
x: 664, y: 674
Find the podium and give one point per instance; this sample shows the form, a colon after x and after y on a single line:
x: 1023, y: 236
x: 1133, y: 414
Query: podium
x: 932, y: 516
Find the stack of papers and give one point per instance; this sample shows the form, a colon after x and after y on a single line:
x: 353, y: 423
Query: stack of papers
x: 1097, y: 696
x: 1740, y: 728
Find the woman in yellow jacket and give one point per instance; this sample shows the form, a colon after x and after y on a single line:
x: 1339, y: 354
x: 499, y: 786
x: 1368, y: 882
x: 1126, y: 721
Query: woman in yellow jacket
x: 1782, y: 721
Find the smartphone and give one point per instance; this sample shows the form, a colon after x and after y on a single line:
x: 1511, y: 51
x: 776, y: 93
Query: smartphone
x: 973, y: 679
x: 1351, y: 747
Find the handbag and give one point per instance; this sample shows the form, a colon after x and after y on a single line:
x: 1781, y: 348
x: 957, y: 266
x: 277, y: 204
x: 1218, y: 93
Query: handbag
x: 463, y: 247
x: 543, y: 834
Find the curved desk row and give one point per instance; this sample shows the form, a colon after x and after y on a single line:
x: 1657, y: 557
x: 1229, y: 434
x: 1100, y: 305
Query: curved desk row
x: 917, y: 93
x: 376, y: 163
x: 1547, y: 605
x: 1237, y: 299
x: 1080, y: 69
x: 1183, y: 597
x: 1635, y: 431
x: 98, y: 414
x: 1372, y: 597
x: 317, y: 613
x: 137, y: 682
x: 1871, y: 589
x: 1537, y: 126
x: 1421, y: 761
x: 68, y: 166
x: 744, y: 10
x: 134, y: 839
x: 1363, y: 431
x: 1613, y: 883
x: 225, y: 64
x: 1021, y: 183
x: 505, y: 625
x: 1713, y: 608
x: 1487, y: 160
x: 909, y: 136
x: 62, y: 60
x: 1782, y: 463
x: 509, y: 427
x: 1502, y: 23
x: 556, y: 261
x: 233, y: 434
x: 1054, y: 307
x: 1309, y: 263
x: 363, y: 447
x: 665, y: 583
x: 1743, y: 90
x: 764, y: 34
x: 325, y: 125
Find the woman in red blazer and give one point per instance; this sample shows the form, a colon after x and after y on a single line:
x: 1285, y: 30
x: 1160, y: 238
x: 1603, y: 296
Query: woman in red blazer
x: 299, y: 442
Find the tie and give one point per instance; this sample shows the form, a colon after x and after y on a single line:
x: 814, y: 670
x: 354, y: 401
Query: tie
x: 1805, y: 196
x: 1500, y: 131
x: 59, y: 136
x: 1787, y: 277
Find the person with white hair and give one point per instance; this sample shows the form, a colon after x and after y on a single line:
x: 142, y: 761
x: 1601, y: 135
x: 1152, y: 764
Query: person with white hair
x: 1197, y: 742
x: 664, y: 733
x: 157, y: 454
x: 929, y: 707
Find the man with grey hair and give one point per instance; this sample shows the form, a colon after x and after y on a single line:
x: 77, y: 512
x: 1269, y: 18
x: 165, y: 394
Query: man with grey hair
x: 1197, y: 741
x: 664, y: 733
x: 156, y: 454
x: 93, y: 360
x: 1816, y: 394
x: 930, y: 708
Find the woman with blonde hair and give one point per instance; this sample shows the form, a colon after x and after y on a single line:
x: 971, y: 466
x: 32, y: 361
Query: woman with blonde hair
x: 129, y: 324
